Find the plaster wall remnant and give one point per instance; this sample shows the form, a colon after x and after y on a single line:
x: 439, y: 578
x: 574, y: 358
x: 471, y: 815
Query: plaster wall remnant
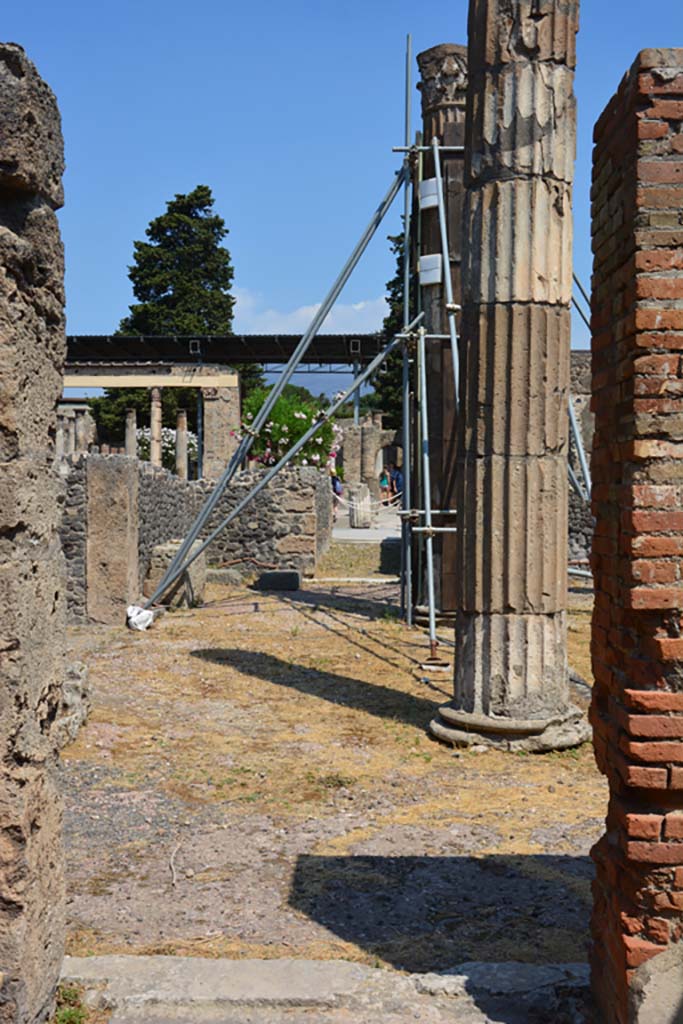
x: 511, y: 678
x: 637, y: 559
x: 112, y: 572
x: 221, y: 422
x: 443, y: 87
x: 32, y: 579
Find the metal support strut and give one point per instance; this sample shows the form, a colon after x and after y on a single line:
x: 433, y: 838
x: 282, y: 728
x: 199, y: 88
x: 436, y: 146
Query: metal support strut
x: 244, y: 447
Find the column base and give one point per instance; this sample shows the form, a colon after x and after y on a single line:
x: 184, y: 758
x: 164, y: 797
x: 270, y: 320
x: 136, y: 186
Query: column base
x: 569, y: 728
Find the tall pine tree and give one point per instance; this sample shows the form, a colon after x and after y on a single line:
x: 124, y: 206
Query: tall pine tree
x: 182, y: 277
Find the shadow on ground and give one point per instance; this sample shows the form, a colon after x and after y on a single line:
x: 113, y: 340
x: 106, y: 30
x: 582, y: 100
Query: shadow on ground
x: 375, y: 699
x: 427, y: 914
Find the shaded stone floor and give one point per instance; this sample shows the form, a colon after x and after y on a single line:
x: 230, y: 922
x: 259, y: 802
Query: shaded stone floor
x: 256, y: 781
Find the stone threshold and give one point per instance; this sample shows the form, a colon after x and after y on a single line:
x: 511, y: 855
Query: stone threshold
x: 188, y: 989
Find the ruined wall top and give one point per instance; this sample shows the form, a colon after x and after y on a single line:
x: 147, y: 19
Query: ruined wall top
x: 31, y: 144
x: 444, y: 77
x: 508, y: 31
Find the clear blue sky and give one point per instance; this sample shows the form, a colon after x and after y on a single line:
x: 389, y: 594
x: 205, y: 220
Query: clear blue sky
x: 287, y: 110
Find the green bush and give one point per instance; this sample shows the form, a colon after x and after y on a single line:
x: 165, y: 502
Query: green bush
x: 289, y: 420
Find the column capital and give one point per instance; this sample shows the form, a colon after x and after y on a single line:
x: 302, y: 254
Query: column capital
x: 444, y: 77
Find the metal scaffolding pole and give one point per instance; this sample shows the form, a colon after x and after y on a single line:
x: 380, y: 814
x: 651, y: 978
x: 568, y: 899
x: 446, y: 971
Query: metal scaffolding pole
x: 446, y: 260
x: 433, y: 662
x: 406, y: 551
x: 580, y: 450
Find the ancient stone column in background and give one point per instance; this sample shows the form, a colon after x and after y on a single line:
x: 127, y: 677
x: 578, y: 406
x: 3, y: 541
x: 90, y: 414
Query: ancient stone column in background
x: 181, y: 444
x: 443, y: 71
x: 32, y: 572
x: 131, y: 433
x: 511, y: 680
x: 59, y: 439
x: 70, y: 432
x: 155, y: 427
x: 221, y: 422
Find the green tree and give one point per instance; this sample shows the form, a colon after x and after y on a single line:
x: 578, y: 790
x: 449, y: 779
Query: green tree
x: 181, y: 276
x: 388, y: 381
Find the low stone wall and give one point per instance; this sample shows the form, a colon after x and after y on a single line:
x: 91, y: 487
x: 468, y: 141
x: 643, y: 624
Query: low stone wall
x: 73, y: 536
x: 288, y: 526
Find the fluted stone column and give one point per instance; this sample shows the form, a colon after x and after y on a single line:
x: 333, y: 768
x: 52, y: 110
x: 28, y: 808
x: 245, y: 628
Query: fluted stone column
x: 511, y: 678
x: 131, y: 433
x: 155, y: 427
x: 443, y: 87
x: 181, y: 444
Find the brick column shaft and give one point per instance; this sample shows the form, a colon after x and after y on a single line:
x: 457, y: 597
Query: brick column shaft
x: 637, y: 649
x: 511, y: 684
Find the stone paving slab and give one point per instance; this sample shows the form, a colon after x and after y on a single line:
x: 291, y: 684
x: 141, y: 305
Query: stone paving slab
x: 170, y: 990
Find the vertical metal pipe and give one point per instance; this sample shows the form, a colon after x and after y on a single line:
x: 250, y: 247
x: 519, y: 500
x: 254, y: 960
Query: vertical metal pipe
x: 446, y: 259
x: 427, y: 490
x: 356, y: 397
x: 406, y: 539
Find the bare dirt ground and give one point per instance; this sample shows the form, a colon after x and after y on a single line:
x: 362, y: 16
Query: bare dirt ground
x: 256, y: 780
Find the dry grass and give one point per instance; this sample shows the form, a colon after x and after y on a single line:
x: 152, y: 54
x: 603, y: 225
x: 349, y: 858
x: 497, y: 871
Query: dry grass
x: 282, y: 707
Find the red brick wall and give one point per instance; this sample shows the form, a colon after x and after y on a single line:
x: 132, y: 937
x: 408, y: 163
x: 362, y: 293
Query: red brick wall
x: 637, y: 645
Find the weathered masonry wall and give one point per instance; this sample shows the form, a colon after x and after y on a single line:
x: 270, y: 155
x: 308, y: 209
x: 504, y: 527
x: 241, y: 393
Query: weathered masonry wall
x: 118, y: 509
x: 637, y: 710
x: 32, y: 592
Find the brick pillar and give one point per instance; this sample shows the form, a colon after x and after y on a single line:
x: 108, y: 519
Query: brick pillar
x: 511, y: 679
x: 131, y: 433
x: 181, y: 444
x: 221, y: 421
x: 637, y: 709
x: 443, y: 85
x: 32, y: 571
x: 155, y: 423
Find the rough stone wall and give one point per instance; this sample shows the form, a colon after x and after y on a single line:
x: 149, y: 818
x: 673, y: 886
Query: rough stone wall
x: 32, y: 586
x: 73, y: 532
x: 111, y: 523
x: 166, y: 507
x: 637, y: 709
x: 286, y: 525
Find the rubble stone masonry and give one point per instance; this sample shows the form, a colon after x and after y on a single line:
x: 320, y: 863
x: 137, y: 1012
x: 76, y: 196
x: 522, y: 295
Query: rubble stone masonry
x: 32, y: 585
x: 637, y: 647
